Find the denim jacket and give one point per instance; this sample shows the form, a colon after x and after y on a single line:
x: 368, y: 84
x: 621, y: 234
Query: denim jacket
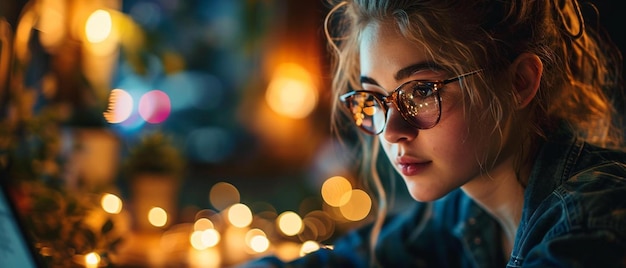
x: 574, y: 215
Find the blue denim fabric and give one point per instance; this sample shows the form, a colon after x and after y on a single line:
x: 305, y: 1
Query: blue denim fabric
x: 574, y: 216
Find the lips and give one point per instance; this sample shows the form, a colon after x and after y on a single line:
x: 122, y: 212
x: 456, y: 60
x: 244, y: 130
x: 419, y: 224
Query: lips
x: 410, y: 166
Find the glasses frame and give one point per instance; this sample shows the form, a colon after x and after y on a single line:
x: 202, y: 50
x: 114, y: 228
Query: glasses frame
x: 392, y: 98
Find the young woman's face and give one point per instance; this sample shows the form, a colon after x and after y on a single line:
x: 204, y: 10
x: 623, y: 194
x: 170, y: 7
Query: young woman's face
x: 432, y: 161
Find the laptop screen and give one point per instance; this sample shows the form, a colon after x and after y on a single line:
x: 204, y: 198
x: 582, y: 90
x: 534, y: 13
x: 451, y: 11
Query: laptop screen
x: 15, y: 249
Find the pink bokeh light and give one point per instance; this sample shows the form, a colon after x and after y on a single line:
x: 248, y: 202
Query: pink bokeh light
x: 155, y: 106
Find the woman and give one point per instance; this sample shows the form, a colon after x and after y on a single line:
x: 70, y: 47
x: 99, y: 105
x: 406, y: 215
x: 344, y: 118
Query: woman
x: 497, y: 115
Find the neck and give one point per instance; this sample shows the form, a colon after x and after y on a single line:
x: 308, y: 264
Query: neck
x: 502, y: 195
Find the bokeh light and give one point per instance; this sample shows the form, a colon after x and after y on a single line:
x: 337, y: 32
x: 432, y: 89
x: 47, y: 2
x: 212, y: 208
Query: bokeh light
x: 111, y: 203
x: 204, y: 258
x: 204, y: 239
x: 120, y: 106
x: 257, y: 240
x: 92, y: 259
x: 203, y: 224
x: 154, y: 106
x: 98, y: 26
x: 289, y: 223
x: 213, y: 216
x: 239, y: 215
x: 183, y: 82
x: 210, y: 237
x: 358, y: 205
x: 51, y: 23
x: 223, y: 195
x: 334, y: 191
x: 196, y: 240
x: 292, y: 92
x: 259, y: 243
x: 157, y: 217
x: 324, y: 224
x: 135, y: 85
x: 309, y: 247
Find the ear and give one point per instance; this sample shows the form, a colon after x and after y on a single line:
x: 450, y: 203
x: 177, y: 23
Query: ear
x: 527, y: 70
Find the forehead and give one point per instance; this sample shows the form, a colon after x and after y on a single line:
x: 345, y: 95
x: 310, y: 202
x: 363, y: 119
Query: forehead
x: 383, y: 50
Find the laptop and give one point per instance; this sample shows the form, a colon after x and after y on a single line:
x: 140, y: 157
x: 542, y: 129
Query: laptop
x: 16, y: 249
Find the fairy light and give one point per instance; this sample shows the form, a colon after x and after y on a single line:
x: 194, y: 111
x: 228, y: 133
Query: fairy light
x: 357, y: 205
x: 309, y: 247
x: 257, y: 240
x: 120, y: 106
x: 92, y: 259
x: 290, y: 223
x: 334, y: 191
x: 240, y: 215
x: 99, y: 26
x: 259, y: 243
x: 111, y: 203
x: 157, y: 217
x: 210, y: 237
x: 223, y: 194
x: 292, y: 91
x: 203, y: 224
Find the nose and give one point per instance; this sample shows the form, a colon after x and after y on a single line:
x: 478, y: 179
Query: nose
x: 397, y: 129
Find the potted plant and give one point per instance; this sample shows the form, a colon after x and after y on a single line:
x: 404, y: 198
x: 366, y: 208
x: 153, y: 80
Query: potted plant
x: 155, y: 169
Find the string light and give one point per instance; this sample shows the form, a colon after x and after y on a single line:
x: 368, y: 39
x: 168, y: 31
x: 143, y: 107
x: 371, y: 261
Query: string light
x: 309, y: 247
x: 239, y: 215
x: 99, y: 26
x: 92, y: 259
x: 111, y: 203
x: 290, y: 223
x: 335, y: 189
x: 157, y: 217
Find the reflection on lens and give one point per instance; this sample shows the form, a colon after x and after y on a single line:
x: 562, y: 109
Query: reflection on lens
x: 421, y: 112
x: 379, y: 120
x: 367, y: 111
x: 370, y: 110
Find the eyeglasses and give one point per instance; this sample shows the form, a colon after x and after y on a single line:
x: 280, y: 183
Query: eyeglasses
x: 418, y: 102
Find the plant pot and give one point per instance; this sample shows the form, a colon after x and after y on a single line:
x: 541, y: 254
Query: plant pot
x: 154, y: 190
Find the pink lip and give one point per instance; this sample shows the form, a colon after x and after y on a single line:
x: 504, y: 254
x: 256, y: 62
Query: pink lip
x: 410, y: 166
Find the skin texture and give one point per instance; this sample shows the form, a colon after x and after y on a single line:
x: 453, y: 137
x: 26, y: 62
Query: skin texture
x: 447, y: 160
x: 435, y: 161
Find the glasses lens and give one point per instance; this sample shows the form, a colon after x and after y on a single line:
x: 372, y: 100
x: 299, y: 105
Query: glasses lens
x: 419, y: 104
x: 367, y: 112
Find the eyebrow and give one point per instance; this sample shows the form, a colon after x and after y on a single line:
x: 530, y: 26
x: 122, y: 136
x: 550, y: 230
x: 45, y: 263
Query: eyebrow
x: 405, y: 72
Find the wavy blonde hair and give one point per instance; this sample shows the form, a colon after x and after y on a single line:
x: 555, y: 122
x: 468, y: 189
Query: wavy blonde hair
x: 580, y: 68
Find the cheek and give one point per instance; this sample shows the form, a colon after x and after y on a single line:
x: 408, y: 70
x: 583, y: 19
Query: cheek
x: 455, y: 145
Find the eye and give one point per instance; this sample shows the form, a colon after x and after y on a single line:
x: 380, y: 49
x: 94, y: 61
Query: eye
x: 422, y: 90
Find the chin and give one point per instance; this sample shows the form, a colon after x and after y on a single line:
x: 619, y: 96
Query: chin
x: 426, y: 196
